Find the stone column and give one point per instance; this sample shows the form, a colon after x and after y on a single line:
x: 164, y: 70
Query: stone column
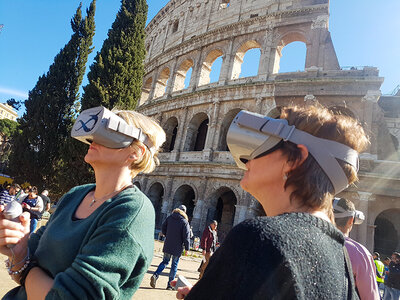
x: 227, y: 65
x: 171, y: 79
x: 366, y: 229
x: 181, y: 130
x: 200, y: 209
x: 212, y: 132
x: 168, y: 198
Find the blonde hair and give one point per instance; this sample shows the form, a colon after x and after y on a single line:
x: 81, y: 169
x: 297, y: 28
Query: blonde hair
x: 154, y: 132
x: 312, y: 187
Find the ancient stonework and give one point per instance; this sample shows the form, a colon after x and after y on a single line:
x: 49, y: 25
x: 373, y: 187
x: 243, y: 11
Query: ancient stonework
x: 196, y: 168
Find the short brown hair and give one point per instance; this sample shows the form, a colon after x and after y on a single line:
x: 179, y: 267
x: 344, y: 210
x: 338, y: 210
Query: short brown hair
x: 312, y: 187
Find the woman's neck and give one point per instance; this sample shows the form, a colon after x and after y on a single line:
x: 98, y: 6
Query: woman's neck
x: 280, y: 203
x: 111, y: 179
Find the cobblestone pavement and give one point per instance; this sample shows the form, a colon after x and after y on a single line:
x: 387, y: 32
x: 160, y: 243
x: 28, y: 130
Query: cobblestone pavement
x: 187, y: 267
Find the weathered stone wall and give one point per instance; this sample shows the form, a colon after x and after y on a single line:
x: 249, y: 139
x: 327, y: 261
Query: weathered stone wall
x: 196, y: 168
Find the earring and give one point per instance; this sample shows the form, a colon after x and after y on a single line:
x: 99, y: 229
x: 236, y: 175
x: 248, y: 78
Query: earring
x: 285, y: 176
x: 132, y: 156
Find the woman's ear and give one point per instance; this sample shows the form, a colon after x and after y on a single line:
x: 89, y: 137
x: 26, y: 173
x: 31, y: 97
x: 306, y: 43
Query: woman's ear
x: 304, y: 154
x: 137, y: 153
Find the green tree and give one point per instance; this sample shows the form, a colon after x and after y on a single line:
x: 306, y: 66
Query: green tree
x: 50, y: 108
x: 8, y: 129
x: 115, y: 78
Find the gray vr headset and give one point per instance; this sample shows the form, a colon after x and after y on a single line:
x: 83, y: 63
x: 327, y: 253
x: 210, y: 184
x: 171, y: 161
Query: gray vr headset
x: 104, y: 127
x: 340, y: 212
x: 251, y: 135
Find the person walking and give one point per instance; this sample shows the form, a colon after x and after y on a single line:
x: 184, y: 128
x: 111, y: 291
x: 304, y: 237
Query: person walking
x: 33, y: 204
x: 392, y: 284
x: 208, y: 243
x: 177, y: 236
x: 361, y: 259
x: 380, y: 272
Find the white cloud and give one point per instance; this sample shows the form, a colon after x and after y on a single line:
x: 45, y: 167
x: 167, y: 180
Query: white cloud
x: 13, y: 93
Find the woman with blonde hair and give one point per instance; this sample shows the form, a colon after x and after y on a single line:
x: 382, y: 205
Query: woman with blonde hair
x: 98, y: 244
x: 294, y: 166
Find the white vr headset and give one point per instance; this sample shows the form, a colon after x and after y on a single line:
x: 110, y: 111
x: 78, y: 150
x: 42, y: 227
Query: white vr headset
x: 253, y: 135
x: 104, y: 127
x: 340, y: 212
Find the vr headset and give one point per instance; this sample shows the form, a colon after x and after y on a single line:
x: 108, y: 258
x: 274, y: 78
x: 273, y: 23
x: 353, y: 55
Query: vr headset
x: 104, y: 127
x: 340, y: 212
x: 252, y: 135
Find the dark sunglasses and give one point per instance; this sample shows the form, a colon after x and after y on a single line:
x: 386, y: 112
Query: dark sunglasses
x: 270, y: 150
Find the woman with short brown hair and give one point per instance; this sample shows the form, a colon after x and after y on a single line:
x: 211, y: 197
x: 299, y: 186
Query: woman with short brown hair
x: 295, y: 252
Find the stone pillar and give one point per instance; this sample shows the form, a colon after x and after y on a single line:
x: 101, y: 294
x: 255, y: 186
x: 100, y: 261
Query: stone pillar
x: 240, y: 214
x: 168, y: 198
x: 212, y: 132
x: 181, y: 130
x: 366, y: 229
x: 200, y: 209
x: 227, y: 64
x: 172, y: 78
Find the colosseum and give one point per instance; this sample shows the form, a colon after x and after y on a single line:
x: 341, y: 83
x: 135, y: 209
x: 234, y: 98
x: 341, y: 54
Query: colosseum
x: 186, y: 38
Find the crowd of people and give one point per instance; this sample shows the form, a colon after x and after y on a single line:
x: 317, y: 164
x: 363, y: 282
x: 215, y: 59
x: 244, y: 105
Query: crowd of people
x: 300, y: 250
x: 32, y: 202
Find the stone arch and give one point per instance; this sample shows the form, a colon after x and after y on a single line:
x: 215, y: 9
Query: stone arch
x: 197, y: 133
x: 171, y: 130
x: 161, y: 83
x: 185, y: 194
x: 387, y: 232
x: 228, y: 118
x: 285, y: 39
x: 222, y: 207
x: 156, y: 194
x: 341, y: 110
x: 146, y: 90
x: 137, y: 184
x: 207, y: 66
x: 239, y: 56
x: 181, y: 73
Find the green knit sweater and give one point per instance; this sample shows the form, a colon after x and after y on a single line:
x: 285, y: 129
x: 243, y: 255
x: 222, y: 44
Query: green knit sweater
x: 103, y: 256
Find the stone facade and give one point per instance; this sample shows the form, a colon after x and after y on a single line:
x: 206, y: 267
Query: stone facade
x: 196, y: 168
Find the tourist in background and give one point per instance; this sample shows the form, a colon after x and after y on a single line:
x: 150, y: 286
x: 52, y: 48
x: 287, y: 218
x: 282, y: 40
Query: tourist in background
x: 177, y: 237
x: 361, y: 259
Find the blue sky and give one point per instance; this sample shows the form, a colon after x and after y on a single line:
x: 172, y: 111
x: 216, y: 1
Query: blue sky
x: 364, y: 33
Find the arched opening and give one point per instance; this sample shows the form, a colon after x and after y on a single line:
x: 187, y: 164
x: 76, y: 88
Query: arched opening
x: 137, y: 184
x: 247, y: 60
x: 290, y: 53
x: 387, y: 232
x: 340, y: 110
x: 196, y: 134
x: 185, y: 195
x: 222, y: 145
x: 146, y: 90
x: 181, y: 74
x: 155, y: 194
x: 171, y: 130
x: 161, y: 83
x: 211, y: 67
x: 222, y: 209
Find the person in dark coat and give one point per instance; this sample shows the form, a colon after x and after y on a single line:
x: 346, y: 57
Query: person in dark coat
x: 177, y: 236
x: 208, y: 243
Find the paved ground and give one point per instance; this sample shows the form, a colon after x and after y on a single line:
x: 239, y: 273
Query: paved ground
x: 187, y: 267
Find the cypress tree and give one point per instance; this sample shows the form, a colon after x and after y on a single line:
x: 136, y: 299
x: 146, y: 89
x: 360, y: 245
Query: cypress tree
x: 115, y: 78
x: 50, y: 108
